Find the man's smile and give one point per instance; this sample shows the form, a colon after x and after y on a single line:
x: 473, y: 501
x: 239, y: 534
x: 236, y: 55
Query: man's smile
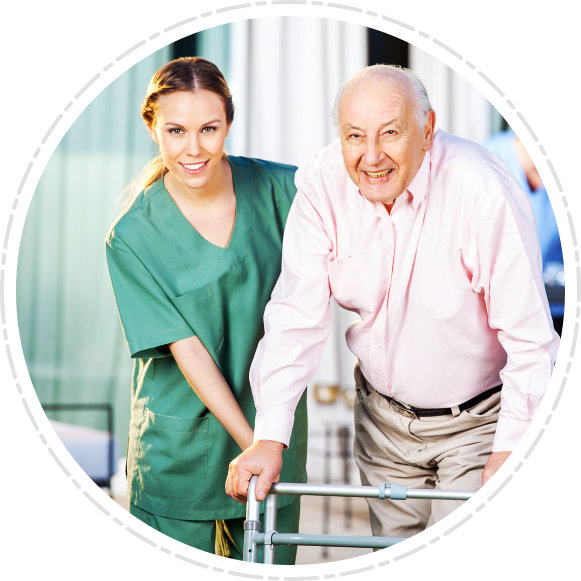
x: 379, y: 174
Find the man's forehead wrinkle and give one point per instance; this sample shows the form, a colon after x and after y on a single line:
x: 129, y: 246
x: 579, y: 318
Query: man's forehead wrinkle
x: 389, y: 122
x: 390, y: 111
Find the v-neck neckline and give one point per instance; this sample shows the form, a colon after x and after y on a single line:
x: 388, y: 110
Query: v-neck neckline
x: 237, y: 186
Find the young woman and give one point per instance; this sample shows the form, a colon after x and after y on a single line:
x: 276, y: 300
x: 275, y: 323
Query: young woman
x: 193, y: 260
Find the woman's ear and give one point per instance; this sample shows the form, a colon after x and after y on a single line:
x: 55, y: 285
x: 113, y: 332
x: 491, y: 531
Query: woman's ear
x: 152, y: 132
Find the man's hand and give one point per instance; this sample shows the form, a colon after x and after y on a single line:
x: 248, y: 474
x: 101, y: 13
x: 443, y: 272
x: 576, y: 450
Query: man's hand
x: 495, y: 461
x: 263, y: 458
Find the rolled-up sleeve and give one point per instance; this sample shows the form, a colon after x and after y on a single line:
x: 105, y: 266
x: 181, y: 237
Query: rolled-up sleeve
x: 297, y: 322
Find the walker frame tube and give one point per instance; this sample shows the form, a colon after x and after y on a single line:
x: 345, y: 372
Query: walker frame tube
x: 270, y: 537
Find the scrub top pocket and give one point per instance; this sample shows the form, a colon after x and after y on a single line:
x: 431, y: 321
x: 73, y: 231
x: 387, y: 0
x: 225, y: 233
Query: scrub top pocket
x: 174, y: 456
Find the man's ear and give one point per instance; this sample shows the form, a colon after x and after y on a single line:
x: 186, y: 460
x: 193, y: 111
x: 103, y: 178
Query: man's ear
x: 429, y: 130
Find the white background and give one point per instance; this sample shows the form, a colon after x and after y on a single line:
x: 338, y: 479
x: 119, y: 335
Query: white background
x: 49, y: 527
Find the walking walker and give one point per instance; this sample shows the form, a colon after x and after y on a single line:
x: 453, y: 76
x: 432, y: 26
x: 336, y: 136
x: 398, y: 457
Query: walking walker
x: 269, y: 538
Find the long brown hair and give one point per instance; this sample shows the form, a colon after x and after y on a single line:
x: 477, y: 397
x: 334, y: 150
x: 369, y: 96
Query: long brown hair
x: 183, y: 74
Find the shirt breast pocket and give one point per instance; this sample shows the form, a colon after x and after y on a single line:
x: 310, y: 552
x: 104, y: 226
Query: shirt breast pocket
x: 350, y: 283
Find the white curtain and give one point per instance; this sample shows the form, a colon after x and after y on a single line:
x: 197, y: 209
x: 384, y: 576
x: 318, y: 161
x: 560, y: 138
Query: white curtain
x: 284, y: 75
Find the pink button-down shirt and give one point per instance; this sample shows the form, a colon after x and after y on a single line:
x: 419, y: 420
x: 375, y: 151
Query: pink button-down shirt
x: 448, y: 288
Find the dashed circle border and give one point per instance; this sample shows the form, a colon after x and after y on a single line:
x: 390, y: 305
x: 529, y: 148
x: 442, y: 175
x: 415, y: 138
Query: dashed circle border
x: 229, y: 9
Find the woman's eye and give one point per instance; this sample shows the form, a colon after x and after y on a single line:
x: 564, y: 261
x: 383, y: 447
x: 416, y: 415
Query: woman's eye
x: 176, y: 131
x: 208, y: 129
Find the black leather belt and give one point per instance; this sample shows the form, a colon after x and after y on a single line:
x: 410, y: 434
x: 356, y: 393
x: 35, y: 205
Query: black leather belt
x: 445, y: 411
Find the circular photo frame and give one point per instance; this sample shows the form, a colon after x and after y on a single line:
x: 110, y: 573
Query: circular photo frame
x: 75, y: 494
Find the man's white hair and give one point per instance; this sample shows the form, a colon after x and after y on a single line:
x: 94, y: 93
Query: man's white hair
x: 422, y: 104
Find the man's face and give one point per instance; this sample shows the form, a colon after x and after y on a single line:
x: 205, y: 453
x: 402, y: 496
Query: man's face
x: 382, y: 145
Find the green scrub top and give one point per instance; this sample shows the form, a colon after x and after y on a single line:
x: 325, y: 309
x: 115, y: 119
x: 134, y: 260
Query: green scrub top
x: 170, y: 283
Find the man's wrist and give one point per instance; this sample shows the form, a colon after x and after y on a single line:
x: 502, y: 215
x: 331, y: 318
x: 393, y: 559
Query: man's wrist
x: 271, y: 444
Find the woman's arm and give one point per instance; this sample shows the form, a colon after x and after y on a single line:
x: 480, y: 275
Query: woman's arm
x: 210, y: 386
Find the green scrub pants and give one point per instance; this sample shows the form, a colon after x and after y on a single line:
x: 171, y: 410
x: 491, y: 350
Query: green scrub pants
x: 202, y: 534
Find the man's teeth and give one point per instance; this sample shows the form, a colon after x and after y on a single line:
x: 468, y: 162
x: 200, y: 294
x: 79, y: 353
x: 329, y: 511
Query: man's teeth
x: 192, y: 166
x: 378, y: 174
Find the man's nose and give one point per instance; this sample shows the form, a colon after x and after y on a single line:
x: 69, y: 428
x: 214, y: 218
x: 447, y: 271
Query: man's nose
x: 373, y: 151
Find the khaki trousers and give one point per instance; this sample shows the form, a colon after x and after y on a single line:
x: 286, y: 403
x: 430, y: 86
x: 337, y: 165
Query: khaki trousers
x: 446, y: 452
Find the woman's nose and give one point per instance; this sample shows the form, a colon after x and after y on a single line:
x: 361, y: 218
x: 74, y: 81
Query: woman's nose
x: 193, y: 145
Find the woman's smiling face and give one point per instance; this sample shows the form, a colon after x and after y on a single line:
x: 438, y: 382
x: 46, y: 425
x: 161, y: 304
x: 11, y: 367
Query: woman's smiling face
x: 190, y: 128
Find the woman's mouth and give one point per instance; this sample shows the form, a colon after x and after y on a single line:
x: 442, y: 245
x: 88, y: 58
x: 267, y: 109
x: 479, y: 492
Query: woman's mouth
x: 194, y: 167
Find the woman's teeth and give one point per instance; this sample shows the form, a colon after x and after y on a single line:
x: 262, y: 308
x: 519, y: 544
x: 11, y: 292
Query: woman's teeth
x: 193, y: 166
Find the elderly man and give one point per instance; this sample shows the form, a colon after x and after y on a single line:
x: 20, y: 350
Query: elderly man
x: 431, y: 241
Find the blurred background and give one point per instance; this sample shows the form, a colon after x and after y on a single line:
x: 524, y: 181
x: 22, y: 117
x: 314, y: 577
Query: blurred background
x: 283, y: 73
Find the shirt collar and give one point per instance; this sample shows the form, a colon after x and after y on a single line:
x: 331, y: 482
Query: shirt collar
x: 418, y: 187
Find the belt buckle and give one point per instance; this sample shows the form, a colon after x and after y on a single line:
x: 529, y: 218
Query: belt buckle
x: 402, y: 409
